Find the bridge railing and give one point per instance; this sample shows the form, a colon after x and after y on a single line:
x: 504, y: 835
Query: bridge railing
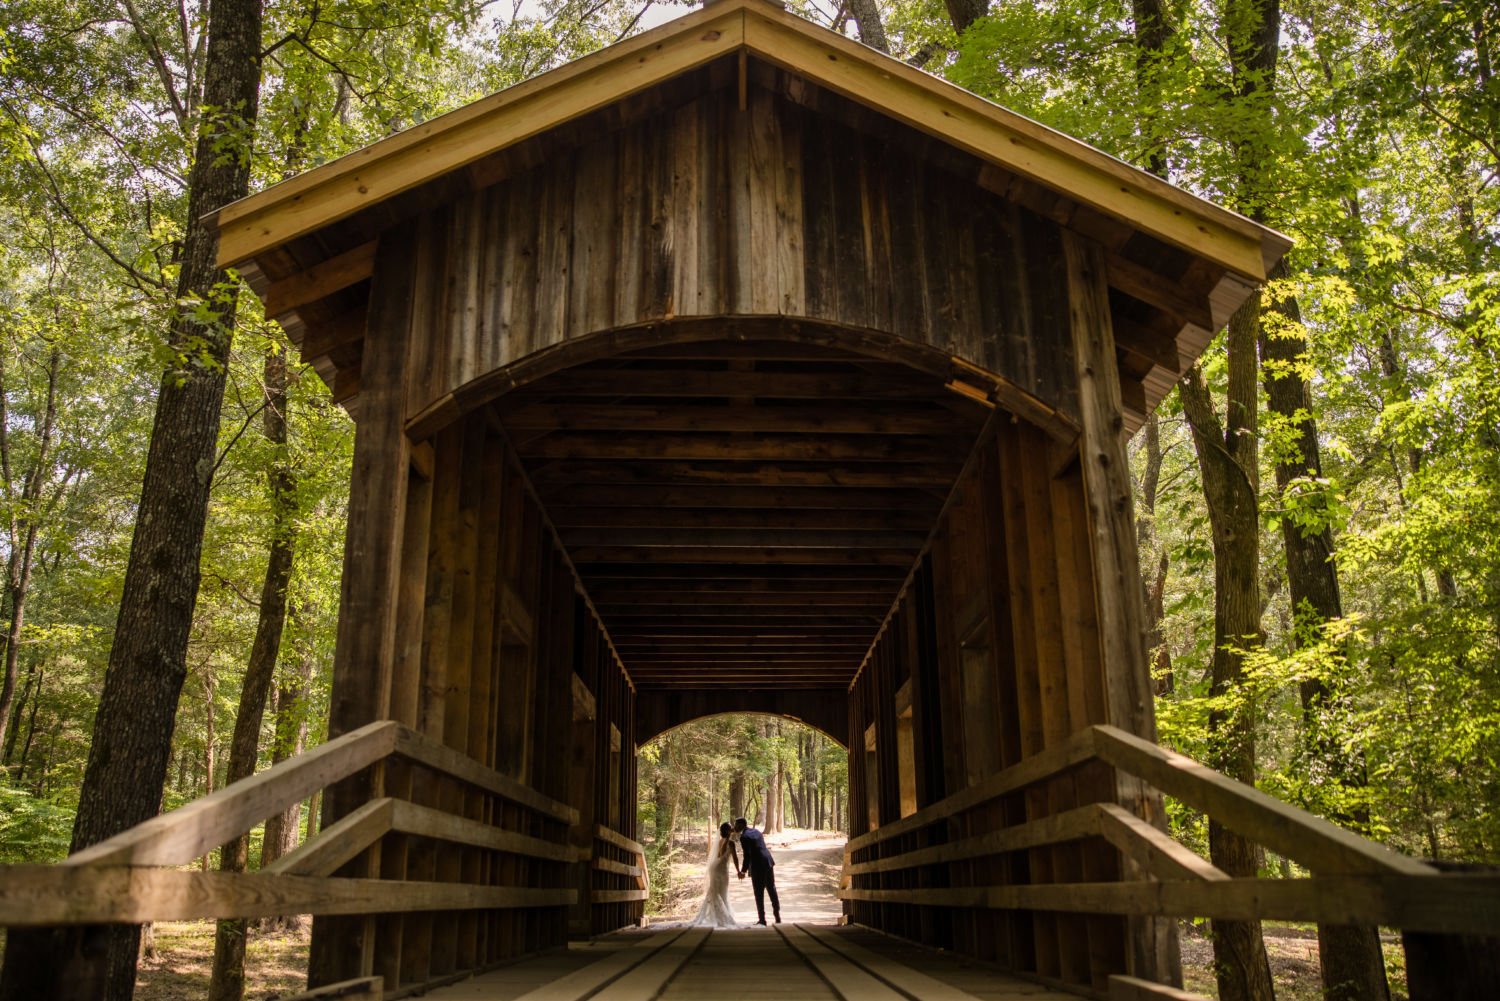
x: 1354, y: 880
x: 621, y: 883
x: 122, y: 879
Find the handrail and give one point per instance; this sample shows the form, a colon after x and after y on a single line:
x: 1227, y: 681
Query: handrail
x: 1072, y: 752
x: 45, y: 895
x: 618, y: 840
x: 1445, y: 903
x: 114, y: 880
x: 193, y: 830
x: 639, y: 870
x: 1303, y: 837
x: 1354, y: 881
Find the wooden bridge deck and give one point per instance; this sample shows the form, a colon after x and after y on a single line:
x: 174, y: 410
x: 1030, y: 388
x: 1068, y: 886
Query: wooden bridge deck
x: 792, y: 962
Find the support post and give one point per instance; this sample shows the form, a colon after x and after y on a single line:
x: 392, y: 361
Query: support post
x: 1153, y: 949
x: 372, y: 549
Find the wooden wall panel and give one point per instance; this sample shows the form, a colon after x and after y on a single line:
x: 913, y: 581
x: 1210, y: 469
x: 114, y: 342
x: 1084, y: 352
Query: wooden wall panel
x: 709, y: 210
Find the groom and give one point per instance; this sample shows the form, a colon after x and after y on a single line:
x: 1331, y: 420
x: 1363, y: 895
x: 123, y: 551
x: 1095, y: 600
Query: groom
x: 761, y: 866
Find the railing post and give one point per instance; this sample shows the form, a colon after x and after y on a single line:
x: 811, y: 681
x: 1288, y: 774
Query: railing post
x: 1452, y: 967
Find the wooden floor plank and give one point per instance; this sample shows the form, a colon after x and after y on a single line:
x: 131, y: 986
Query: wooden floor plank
x: 747, y: 962
x: 647, y: 981
x: 790, y: 963
x: 973, y: 977
x: 523, y: 979
x: 852, y: 982
x: 898, y: 975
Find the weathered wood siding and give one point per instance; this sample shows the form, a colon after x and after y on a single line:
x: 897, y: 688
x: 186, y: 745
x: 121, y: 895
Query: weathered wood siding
x: 489, y: 648
x: 709, y: 210
x: 997, y: 638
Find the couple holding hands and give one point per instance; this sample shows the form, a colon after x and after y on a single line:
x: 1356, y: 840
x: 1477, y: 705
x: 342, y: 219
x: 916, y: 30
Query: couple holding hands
x: 715, y: 911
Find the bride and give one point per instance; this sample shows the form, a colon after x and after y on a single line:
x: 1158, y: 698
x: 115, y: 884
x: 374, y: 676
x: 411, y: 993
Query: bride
x: 715, y: 911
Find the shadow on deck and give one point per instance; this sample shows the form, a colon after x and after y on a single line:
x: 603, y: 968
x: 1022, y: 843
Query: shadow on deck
x: 792, y: 962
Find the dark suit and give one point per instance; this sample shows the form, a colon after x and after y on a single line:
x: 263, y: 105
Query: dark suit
x: 762, y: 871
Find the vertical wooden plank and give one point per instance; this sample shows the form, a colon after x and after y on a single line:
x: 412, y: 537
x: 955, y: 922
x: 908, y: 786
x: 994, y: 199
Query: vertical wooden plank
x: 428, y: 789
x: 685, y: 206
x: 903, y: 214
x: 1122, y: 614
x: 554, y: 250
x: 820, y: 271
x: 460, y: 330
x: 1058, y: 795
x: 1048, y: 275
x: 517, y: 320
x: 740, y: 272
x: 851, y: 263
x: 658, y: 284
x: 791, y: 267
x: 765, y: 146
x: 713, y: 206
x: 876, y: 215
x: 475, y: 865
x: 426, y: 302
x: 372, y: 546
x: 1094, y: 782
x: 591, y: 293
x: 989, y: 265
x: 494, y: 234
x: 1019, y: 329
x: 631, y: 225
x: 936, y: 256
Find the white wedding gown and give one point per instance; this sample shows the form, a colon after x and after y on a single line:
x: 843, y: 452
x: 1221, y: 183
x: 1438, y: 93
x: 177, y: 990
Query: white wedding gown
x: 715, y: 911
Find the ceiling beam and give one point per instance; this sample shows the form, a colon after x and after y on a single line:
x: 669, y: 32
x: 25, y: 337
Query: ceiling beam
x: 678, y: 383
x: 731, y: 473
x: 784, y: 555
x: 889, y: 419
x: 723, y: 447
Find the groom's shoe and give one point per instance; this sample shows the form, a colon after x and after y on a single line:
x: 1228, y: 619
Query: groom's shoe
x: 778, y: 919
x: 763, y: 921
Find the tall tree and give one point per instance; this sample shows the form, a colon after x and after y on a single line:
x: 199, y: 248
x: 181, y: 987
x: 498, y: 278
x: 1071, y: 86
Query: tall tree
x: 131, y: 743
x: 227, y: 982
x: 1228, y: 464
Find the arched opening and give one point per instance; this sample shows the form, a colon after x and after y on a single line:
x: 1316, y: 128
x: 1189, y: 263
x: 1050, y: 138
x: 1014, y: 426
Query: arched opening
x: 788, y: 779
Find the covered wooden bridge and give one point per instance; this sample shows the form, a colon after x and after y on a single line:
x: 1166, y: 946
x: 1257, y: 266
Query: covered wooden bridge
x: 738, y: 367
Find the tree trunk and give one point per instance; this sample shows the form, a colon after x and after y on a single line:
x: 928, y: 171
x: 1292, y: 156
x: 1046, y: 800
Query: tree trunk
x: 291, y: 736
x: 1353, y: 967
x: 122, y: 784
x: 36, y: 701
x: 965, y: 12
x: 737, y: 795
x: 23, y: 532
x: 227, y: 982
x: 871, y: 30
x: 14, y: 731
x: 1154, y: 588
x: 1227, y: 460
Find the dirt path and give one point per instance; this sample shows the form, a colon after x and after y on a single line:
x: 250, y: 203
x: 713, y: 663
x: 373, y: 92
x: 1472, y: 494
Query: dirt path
x: 807, y: 879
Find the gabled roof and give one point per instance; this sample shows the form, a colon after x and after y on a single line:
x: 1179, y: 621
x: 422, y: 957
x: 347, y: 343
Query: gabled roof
x: 337, y: 190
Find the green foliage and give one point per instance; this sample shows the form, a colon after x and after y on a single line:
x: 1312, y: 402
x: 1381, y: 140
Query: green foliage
x: 1377, y: 151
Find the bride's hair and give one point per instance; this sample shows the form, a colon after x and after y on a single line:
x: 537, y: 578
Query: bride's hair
x: 724, y: 830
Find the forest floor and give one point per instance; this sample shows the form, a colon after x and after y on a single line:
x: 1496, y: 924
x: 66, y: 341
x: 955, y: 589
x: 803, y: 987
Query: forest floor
x: 1293, y: 953
x: 275, y: 963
